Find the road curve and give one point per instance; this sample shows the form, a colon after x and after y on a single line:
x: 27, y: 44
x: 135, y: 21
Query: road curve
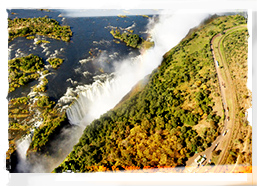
x: 227, y: 92
x: 230, y: 94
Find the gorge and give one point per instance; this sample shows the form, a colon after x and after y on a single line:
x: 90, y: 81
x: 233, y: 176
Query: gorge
x: 94, y: 100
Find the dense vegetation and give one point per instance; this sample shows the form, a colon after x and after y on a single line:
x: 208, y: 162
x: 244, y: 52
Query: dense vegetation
x: 52, y: 121
x: 24, y: 112
x: 22, y: 27
x: 165, y: 122
x: 55, y: 62
x: 39, y: 41
x: 23, y: 70
x: 26, y: 69
x: 41, y: 87
x: 132, y: 40
x: 177, y: 114
x: 19, y: 115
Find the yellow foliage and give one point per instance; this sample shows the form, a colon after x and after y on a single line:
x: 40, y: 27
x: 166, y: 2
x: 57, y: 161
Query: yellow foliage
x: 101, y: 168
x: 183, y: 151
x: 163, y: 159
x: 204, y: 87
x: 200, y: 111
x: 198, y: 83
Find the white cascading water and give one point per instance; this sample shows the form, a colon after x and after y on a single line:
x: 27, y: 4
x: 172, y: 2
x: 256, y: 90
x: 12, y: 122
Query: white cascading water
x: 22, y: 147
x: 87, y: 97
x: 23, y: 144
x: 90, y: 101
x: 100, y: 97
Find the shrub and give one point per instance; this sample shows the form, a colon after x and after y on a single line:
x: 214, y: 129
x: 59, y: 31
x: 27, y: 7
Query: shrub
x: 55, y: 62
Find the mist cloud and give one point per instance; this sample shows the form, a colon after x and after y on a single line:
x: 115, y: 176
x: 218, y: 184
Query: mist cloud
x: 168, y: 32
x: 96, y: 99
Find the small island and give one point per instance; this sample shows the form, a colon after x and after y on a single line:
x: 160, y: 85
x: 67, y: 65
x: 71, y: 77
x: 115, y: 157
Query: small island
x: 122, y: 16
x: 132, y: 40
x: 23, y: 70
x: 23, y: 27
x: 42, y: 41
x: 55, y: 62
x: 26, y: 69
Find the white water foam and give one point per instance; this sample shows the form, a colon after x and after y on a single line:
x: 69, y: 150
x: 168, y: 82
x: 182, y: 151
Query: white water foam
x: 19, y: 53
x: 90, y: 101
x: 83, y: 61
x: 22, y: 147
x: 86, y: 73
x: 91, y: 95
x: 102, y: 42
x: 71, y: 81
x: 101, y: 97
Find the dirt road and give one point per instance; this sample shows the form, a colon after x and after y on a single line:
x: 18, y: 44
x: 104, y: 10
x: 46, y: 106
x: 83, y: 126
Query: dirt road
x: 229, y: 101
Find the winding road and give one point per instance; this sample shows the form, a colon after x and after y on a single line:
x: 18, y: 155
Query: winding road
x: 230, y: 106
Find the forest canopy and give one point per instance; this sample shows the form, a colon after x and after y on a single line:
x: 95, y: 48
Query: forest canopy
x: 157, y: 125
x: 132, y: 40
x: 23, y: 70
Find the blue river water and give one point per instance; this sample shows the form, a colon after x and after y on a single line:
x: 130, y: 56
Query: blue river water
x: 90, y: 52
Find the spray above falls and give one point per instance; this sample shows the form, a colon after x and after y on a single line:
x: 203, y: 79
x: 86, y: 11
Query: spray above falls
x: 101, y: 96
x: 89, y: 102
x: 88, y: 96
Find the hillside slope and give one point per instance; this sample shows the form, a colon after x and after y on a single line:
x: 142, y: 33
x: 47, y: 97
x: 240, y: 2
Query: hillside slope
x: 176, y: 114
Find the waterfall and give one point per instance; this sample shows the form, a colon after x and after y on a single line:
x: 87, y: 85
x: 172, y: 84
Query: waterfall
x: 89, y: 95
x: 88, y: 102
x: 96, y: 99
x: 22, y: 147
